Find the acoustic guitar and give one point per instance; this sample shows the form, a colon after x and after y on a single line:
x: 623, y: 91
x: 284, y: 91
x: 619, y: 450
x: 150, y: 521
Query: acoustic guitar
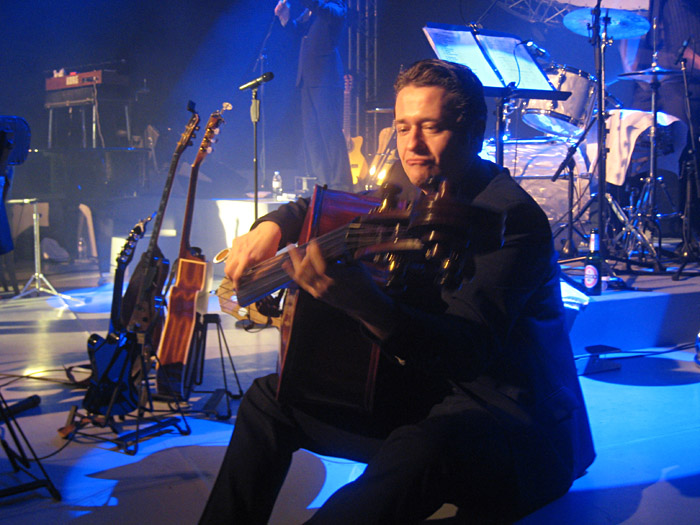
x: 174, y: 370
x: 358, y: 163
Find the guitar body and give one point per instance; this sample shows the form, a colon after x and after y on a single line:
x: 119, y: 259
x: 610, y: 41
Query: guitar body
x: 358, y: 163
x: 324, y: 356
x: 175, y: 367
x: 115, y: 362
x: 116, y: 366
x: 142, y: 306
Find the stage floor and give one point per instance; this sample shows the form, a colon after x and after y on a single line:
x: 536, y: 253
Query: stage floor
x: 645, y: 415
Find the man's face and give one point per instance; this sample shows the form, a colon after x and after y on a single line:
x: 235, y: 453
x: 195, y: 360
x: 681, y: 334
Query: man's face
x: 425, y: 139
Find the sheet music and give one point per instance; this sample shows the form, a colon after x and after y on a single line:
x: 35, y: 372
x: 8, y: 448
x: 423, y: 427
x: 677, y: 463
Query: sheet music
x: 513, y: 61
x: 462, y: 48
x: 507, y: 54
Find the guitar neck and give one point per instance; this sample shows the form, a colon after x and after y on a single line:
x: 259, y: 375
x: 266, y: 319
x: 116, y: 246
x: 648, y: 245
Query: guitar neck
x: 158, y: 221
x: 185, y: 250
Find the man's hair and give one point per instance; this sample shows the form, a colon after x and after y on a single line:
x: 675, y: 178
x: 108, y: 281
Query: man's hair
x: 465, y: 103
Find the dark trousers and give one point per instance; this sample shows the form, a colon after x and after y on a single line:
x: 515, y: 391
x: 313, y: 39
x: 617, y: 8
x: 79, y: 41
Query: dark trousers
x: 325, y: 150
x: 458, y: 452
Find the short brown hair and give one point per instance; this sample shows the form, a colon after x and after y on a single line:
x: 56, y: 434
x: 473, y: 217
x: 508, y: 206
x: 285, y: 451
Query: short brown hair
x: 465, y: 93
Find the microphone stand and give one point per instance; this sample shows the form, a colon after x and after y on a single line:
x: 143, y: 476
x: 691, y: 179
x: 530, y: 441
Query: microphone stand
x: 599, y: 43
x: 255, y: 113
x: 254, y: 118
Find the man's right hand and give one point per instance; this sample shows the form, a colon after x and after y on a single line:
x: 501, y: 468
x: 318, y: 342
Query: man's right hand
x: 252, y: 248
x: 282, y: 12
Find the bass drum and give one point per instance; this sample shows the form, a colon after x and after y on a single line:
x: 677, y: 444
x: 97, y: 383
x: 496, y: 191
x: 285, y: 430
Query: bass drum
x: 564, y: 118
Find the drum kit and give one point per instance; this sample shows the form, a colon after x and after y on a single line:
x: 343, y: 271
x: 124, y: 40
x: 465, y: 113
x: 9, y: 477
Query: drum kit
x: 627, y: 232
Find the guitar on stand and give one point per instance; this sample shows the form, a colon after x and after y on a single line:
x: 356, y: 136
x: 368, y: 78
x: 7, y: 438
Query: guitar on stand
x: 175, y: 362
x: 114, y: 361
x: 358, y: 164
x: 143, y: 301
x: 135, y: 326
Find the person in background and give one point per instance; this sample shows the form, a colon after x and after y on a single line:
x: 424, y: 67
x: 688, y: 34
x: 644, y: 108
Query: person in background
x: 320, y: 80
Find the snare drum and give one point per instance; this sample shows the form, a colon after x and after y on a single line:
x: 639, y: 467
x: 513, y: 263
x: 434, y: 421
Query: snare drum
x: 565, y: 118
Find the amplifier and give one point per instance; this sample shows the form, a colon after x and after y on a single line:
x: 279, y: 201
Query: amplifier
x: 88, y: 78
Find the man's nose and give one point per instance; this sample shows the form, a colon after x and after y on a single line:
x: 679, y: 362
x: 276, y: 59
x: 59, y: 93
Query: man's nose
x: 415, y: 138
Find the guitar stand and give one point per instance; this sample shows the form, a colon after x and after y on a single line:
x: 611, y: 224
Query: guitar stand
x: 127, y: 442
x: 19, y: 460
x: 200, y: 342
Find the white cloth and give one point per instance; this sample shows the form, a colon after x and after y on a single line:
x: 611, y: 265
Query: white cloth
x: 624, y: 127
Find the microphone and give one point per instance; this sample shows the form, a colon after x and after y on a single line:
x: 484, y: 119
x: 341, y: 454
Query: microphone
x: 265, y: 77
x: 534, y: 49
x: 681, y: 50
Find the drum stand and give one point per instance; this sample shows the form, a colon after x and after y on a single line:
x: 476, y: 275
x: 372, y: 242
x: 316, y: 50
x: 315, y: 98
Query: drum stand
x: 690, y: 250
x: 645, y: 212
x: 629, y: 231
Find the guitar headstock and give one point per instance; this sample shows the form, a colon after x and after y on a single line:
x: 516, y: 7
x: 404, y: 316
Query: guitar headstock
x: 136, y: 233
x: 213, y: 124
x: 190, y: 129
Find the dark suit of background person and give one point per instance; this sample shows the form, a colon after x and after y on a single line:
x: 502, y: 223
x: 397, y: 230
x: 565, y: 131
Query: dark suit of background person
x: 477, y: 401
x: 320, y: 80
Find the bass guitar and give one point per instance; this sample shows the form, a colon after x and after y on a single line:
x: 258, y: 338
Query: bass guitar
x: 174, y: 370
x: 114, y: 360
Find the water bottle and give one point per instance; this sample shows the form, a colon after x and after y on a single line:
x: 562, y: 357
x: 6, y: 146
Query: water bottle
x: 592, y: 273
x: 276, y: 184
x: 82, y: 249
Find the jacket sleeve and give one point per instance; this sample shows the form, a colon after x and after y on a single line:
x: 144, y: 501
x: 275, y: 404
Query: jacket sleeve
x: 290, y: 218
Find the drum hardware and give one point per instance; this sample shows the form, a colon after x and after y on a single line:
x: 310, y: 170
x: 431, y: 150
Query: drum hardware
x: 690, y: 249
x: 566, y: 118
x: 605, y: 25
x: 646, y: 213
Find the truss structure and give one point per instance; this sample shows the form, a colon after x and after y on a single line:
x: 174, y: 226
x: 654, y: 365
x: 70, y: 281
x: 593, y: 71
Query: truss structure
x: 548, y: 12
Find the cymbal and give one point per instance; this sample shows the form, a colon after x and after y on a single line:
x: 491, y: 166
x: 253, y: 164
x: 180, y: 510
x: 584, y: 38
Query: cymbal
x: 648, y: 75
x: 622, y: 24
x: 380, y: 110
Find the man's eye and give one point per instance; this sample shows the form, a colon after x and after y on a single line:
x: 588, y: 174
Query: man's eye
x: 402, y: 129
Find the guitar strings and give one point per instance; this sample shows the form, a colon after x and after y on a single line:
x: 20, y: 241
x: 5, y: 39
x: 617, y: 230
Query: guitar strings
x: 269, y: 274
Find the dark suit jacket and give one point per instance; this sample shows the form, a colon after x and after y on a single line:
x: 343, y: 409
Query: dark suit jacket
x: 319, y: 59
x: 501, y: 340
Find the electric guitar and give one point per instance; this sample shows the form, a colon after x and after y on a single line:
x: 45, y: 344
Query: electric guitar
x: 358, y: 164
x: 143, y: 301
x: 174, y: 370
x: 115, y: 375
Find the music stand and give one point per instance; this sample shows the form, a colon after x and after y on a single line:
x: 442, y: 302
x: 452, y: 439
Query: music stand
x: 38, y: 279
x: 500, y: 61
